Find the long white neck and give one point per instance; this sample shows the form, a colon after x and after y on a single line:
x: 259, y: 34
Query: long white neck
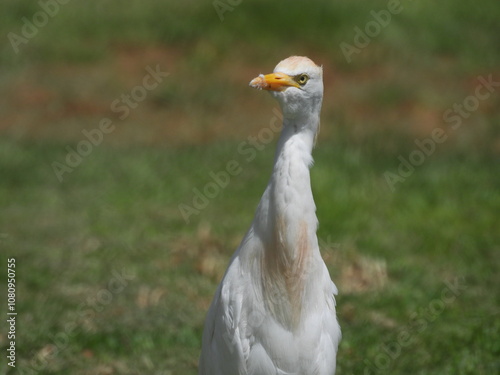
x: 286, y: 221
x: 291, y: 199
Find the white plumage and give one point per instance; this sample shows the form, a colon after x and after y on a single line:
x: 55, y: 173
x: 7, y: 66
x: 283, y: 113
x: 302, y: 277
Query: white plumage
x: 274, y: 310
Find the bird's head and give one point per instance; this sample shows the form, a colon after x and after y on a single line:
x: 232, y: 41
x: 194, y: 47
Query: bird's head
x: 297, y: 84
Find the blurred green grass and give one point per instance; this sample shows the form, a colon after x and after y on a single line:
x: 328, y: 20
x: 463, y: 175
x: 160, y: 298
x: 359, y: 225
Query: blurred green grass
x: 118, y: 211
x: 86, y: 29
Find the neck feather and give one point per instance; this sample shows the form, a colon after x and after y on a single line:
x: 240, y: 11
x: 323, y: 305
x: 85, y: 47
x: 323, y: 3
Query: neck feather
x: 289, y: 227
x: 291, y: 199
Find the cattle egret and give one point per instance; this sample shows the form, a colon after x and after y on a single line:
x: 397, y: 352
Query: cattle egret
x: 274, y: 310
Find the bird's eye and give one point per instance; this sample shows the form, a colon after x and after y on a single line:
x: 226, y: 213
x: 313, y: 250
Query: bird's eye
x: 302, y: 79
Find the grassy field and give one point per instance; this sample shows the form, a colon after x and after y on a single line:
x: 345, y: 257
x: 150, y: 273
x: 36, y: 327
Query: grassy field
x: 114, y: 277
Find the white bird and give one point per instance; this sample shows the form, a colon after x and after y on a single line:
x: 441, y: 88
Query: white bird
x: 274, y: 310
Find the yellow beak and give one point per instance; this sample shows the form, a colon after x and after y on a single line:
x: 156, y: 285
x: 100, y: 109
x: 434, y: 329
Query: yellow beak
x: 274, y: 82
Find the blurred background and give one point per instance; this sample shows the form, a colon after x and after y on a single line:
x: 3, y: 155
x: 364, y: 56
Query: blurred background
x: 116, y: 116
